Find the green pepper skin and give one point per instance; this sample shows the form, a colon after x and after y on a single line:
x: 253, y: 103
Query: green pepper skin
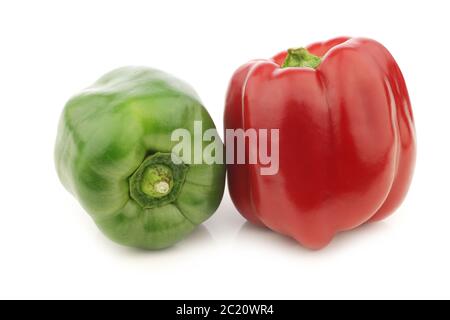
x: 108, y: 130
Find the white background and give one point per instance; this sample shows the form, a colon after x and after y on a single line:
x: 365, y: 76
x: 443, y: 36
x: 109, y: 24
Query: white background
x: 50, y: 248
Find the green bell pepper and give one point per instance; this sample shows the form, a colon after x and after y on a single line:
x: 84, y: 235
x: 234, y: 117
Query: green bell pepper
x: 114, y: 154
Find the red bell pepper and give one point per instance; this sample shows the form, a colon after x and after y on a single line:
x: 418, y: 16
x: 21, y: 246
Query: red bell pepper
x: 346, y: 138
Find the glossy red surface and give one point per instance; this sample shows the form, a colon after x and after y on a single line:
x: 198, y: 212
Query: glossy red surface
x: 347, y: 140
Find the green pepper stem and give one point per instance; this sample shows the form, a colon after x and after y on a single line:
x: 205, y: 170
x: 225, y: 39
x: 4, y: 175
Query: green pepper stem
x: 300, y: 57
x: 157, y: 181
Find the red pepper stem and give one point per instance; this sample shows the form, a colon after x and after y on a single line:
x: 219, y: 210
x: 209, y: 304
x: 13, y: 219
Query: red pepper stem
x: 300, y: 58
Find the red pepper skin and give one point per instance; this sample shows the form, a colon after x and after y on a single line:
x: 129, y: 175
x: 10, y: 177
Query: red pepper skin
x: 347, y: 140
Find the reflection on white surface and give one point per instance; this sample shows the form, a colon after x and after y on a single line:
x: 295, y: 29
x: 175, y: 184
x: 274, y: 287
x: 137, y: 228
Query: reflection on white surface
x: 199, y: 238
x: 250, y: 233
